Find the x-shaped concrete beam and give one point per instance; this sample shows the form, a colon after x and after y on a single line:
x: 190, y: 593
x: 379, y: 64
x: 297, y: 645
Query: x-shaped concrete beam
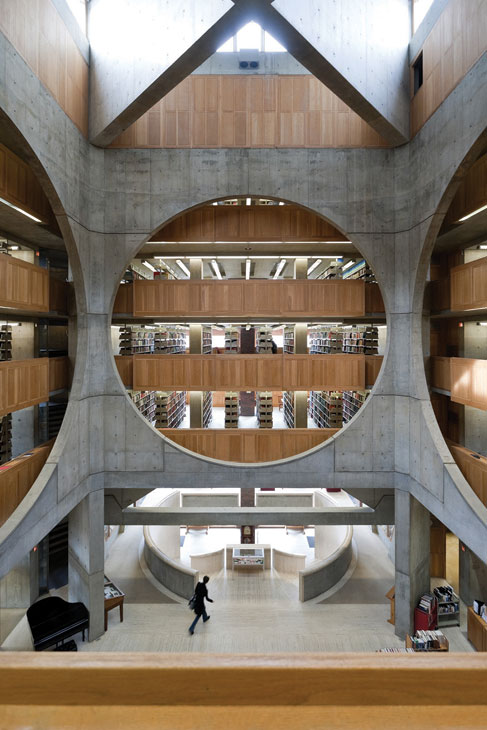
x: 142, y: 50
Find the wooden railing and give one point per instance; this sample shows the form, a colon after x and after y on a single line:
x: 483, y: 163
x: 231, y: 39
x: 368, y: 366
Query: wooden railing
x: 17, y: 477
x: 248, y: 372
x: 473, y: 467
x: 440, y: 372
x: 469, y: 382
x: 25, y: 383
x: 241, y: 298
x: 468, y: 285
x: 58, y: 295
x: 169, y: 690
x: 250, y: 445
x: 439, y: 293
x: 23, y: 285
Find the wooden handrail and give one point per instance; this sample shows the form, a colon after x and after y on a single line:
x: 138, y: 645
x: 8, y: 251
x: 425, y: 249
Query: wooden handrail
x: 25, y: 383
x: 18, y: 475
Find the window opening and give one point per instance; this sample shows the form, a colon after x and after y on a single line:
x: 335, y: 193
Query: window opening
x: 418, y: 73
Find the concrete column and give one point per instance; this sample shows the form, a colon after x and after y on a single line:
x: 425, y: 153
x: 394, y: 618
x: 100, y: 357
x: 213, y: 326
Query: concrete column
x: 20, y: 587
x: 301, y: 338
x: 195, y: 339
x: 300, y: 268
x: 86, y: 559
x: 300, y: 409
x: 196, y: 268
x: 196, y: 409
x: 412, y: 536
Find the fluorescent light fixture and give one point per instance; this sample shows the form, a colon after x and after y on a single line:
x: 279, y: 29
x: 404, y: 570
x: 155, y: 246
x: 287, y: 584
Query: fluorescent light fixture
x: 20, y: 210
x: 14, y: 248
x: 483, y: 246
x: 216, y: 269
x: 313, y: 266
x: 323, y: 256
x: 214, y: 203
x: 466, y: 217
x: 248, y: 201
x: 281, y: 203
x: 149, y: 265
x: 282, y: 263
x: 347, y: 266
x: 183, y: 267
x: 247, y: 269
x: 235, y: 258
x: 483, y: 324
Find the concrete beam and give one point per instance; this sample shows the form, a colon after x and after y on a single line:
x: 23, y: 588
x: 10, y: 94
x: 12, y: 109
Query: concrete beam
x: 140, y: 51
x: 358, y: 50
x: 251, y: 515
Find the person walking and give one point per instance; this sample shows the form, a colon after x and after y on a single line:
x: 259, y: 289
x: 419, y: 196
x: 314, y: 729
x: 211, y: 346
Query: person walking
x: 200, y: 592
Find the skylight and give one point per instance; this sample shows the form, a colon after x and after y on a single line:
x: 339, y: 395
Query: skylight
x: 420, y: 8
x: 78, y: 8
x: 252, y: 36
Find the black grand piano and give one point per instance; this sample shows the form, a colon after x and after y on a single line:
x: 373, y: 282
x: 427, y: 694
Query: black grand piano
x: 52, y: 620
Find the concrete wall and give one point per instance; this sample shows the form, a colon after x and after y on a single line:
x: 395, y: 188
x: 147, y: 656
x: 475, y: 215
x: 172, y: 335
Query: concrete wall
x: 167, y: 537
x: 473, y: 577
x: 321, y: 575
x: 283, y: 499
x: 328, y: 538
x: 220, y: 499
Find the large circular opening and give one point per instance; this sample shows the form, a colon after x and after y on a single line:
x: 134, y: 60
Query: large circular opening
x: 249, y: 330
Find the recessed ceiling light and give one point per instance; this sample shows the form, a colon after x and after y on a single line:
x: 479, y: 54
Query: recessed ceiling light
x: 20, y: 210
x: 466, y: 217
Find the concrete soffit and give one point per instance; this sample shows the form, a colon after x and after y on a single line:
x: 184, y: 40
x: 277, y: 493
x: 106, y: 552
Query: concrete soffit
x: 366, y: 69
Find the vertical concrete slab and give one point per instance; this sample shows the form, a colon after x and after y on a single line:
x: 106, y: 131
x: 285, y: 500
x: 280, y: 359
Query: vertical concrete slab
x: 86, y: 559
x: 412, y: 537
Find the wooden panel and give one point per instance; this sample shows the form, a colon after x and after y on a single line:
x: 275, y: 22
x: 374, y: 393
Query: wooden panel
x: 469, y: 382
x: 247, y: 372
x: 23, y: 285
x: 248, y: 445
x: 373, y: 299
x: 58, y: 373
x: 58, y: 295
x: 18, y: 475
x: 439, y: 292
x: 314, y: 690
x: 248, y: 223
x: 440, y: 373
x: 323, y: 372
x: 476, y: 630
x: 472, y: 193
x: 455, y: 43
x: 20, y: 187
x: 124, y: 300
x: 125, y: 367
x: 373, y: 364
x: 251, y: 111
x: 23, y: 383
x: 240, y: 298
x: 38, y: 33
x: 469, y: 285
x: 473, y: 467
x: 437, y: 549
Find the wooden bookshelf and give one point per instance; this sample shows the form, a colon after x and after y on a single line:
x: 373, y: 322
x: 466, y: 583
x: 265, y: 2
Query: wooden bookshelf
x: 326, y: 408
x: 264, y: 409
x: 231, y: 409
x: 476, y: 630
x: 169, y: 408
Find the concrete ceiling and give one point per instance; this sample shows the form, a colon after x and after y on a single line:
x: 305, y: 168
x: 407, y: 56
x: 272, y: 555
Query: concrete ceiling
x: 462, y: 235
x: 17, y: 227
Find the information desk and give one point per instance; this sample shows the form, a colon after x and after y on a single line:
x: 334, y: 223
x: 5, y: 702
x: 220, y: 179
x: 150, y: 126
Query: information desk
x: 266, y: 549
x: 113, y: 598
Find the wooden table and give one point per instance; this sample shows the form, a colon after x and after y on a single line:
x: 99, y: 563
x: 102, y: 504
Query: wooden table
x: 113, y: 598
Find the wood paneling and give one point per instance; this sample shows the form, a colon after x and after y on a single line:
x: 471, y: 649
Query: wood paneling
x: 58, y: 295
x: 248, y: 445
x: 18, y: 476
x: 125, y: 367
x: 439, y: 293
x: 23, y: 383
x: 23, y: 285
x: 247, y: 372
x: 468, y: 284
x: 240, y: 298
x: 183, y: 691
x: 323, y: 372
x: 250, y: 111
x: 455, y: 43
x: 124, y: 300
x: 437, y: 548
x: 36, y: 30
x: 19, y: 186
x: 440, y: 373
x: 58, y: 373
x: 373, y: 364
x: 248, y: 223
x: 473, y: 467
x: 373, y: 299
x: 469, y: 382
x: 472, y: 193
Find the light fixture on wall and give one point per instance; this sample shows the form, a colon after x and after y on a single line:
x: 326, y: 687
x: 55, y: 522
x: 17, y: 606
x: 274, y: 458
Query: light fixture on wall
x: 247, y: 269
x: 20, y: 210
x: 466, y: 217
x: 216, y: 268
x: 183, y: 267
x: 314, y: 266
